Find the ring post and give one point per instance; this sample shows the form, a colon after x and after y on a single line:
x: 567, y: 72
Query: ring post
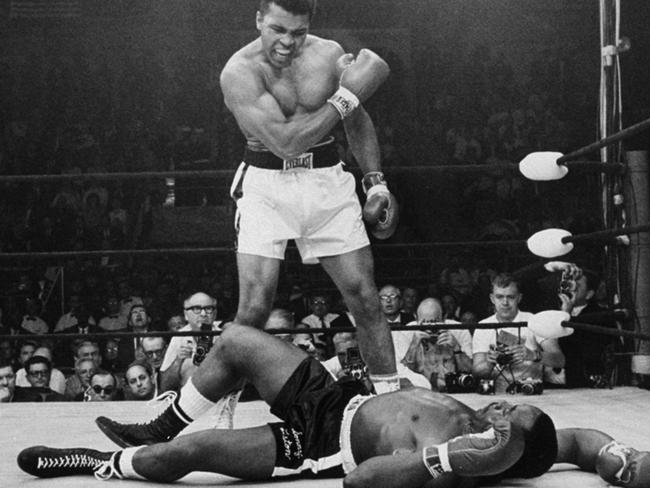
x: 639, y: 255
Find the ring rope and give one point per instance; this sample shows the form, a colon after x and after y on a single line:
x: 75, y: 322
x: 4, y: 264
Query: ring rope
x: 325, y: 330
x: 328, y: 331
x: 598, y: 329
x: 207, y: 250
x: 604, y: 234
x: 227, y: 173
x: 222, y: 173
x: 606, y: 141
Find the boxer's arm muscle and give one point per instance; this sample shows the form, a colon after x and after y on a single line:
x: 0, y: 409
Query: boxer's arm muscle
x: 258, y: 113
x: 362, y: 139
x: 580, y: 447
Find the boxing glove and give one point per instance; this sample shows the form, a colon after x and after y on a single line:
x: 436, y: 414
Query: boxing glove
x: 380, y: 211
x: 486, y: 454
x: 359, y: 79
x: 620, y: 465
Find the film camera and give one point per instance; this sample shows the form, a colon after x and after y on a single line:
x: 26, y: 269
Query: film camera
x: 598, y: 381
x: 203, y: 345
x: 503, y: 358
x: 353, y: 365
x: 430, y: 340
x: 568, y: 280
x: 460, y: 383
x: 486, y: 387
x: 527, y: 386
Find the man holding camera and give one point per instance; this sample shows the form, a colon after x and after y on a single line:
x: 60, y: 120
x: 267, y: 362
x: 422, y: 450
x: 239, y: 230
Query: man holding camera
x: 511, y: 359
x: 184, y: 353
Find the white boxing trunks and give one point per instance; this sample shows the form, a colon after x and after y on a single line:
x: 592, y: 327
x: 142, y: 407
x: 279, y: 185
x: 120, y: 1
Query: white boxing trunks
x: 316, y: 206
x: 347, y: 458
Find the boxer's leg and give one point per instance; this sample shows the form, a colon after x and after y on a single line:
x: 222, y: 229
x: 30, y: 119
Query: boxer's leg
x: 241, y: 353
x: 258, y: 281
x: 353, y: 274
x: 244, y: 453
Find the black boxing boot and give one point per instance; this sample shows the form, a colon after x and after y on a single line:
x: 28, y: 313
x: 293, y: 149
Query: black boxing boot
x: 161, y: 429
x: 49, y: 462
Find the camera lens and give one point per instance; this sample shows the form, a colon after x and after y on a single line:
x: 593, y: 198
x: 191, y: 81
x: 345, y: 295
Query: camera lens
x: 466, y: 381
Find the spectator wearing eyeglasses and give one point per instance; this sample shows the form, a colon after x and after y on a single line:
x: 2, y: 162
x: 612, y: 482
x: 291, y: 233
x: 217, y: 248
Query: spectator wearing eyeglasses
x: 183, y: 354
x: 321, y: 317
x: 390, y: 301
x: 103, y: 388
x: 114, y: 359
x: 139, y: 381
x: 39, y: 370
x: 57, y: 378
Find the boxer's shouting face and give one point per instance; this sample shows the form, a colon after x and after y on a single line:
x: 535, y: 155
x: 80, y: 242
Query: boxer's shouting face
x: 282, y: 34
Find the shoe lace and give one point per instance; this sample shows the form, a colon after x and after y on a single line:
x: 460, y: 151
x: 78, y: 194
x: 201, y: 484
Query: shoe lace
x: 225, y: 410
x: 106, y: 470
x: 68, y: 461
x: 163, y: 400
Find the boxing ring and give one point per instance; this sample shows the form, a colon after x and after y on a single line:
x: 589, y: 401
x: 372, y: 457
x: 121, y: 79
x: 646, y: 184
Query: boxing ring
x: 621, y: 412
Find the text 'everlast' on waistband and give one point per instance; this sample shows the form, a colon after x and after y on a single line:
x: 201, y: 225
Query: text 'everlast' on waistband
x: 317, y: 157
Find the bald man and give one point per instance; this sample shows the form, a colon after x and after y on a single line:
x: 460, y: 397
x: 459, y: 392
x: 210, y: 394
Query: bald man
x: 437, y: 352
x: 460, y: 341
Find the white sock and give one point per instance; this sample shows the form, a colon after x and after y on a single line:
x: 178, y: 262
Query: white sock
x: 125, y: 464
x: 192, y: 402
x: 385, y: 383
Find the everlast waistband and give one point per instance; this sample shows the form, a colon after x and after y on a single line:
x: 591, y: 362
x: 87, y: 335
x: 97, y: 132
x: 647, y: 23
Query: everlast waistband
x: 317, y: 157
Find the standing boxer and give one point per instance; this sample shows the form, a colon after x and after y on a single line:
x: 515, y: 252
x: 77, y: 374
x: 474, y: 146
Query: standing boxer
x: 287, y: 90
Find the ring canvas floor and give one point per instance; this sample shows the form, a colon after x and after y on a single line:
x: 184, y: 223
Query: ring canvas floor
x: 621, y: 412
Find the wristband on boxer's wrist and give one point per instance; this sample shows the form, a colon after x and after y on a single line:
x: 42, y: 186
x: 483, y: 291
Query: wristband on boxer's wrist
x: 344, y: 101
x: 436, y: 460
x: 372, y: 179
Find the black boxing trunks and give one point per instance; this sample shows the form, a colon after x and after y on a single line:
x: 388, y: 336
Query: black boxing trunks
x: 311, y: 403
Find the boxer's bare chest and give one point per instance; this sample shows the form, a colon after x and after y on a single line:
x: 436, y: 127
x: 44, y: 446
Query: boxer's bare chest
x: 304, y: 87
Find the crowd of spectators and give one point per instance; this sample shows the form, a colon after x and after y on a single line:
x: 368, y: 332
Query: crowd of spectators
x: 105, y: 367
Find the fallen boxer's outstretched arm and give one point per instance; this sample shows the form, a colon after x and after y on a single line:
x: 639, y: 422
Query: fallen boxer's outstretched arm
x: 594, y: 451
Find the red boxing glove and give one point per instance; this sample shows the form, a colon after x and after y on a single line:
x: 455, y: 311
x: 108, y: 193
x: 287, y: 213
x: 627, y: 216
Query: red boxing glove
x: 620, y: 465
x: 486, y: 454
x: 381, y: 211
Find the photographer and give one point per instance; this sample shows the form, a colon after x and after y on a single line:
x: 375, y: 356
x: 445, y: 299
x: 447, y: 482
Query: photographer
x: 184, y: 353
x: 438, y: 354
x: 512, y: 357
x: 588, y: 355
x: 348, y: 361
